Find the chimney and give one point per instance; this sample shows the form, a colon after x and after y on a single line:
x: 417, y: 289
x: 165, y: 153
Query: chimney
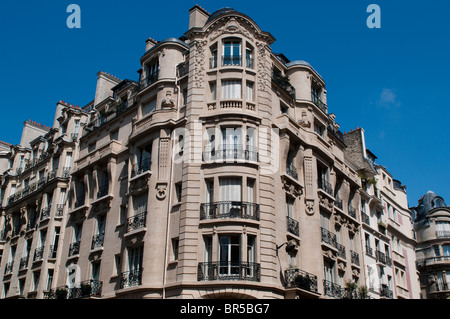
x: 197, y: 17
x: 150, y: 43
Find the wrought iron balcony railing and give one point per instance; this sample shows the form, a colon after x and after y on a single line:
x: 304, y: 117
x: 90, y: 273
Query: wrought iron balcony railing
x: 38, y: 254
x: 354, y: 257
x: 301, y: 279
x: 231, y: 152
x: 341, y: 251
x: 97, y: 241
x: 386, y: 292
x: 365, y: 218
x: 228, y: 270
x: 131, y: 278
x: 318, y: 102
x: 141, y: 167
x: 45, y: 212
x: 84, y: 289
x: 338, y: 203
x: 150, y: 79
x: 325, y: 186
x: 383, y: 258
x: 23, y: 263
x: 231, y: 60
x: 331, y: 289
x: 9, y: 267
x: 136, y: 222
x: 74, y: 249
x: 229, y: 209
x: 292, y: 226
x: 329, y: 238
x: 103, y: 190
x: 352, y: 211
x: 284, y: 84
x: 291, y: 171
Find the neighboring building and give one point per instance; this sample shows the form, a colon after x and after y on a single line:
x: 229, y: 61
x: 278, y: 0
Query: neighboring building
x: 432, y: 227
x: 34, y: 206
x: 387, y: 229
x: 220, y: 173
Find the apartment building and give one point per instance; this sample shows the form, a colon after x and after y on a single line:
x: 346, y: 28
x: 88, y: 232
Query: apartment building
x: 35, y: 188
x: 387, y: 228
x: 219, y: 173
x: 432, y: 227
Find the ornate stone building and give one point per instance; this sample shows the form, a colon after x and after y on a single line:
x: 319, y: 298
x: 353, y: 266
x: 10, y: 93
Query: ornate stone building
x: 432, y: 227
x: 219, y: 173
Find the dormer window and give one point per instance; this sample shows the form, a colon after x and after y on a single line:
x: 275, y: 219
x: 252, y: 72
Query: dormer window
x: 232, y: 53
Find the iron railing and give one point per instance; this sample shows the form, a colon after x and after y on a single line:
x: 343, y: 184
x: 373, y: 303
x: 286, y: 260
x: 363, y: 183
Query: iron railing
x: 97, y: 241
x: 136, y: 222
x: 291, y: 171
x: 231, y: 152
x: 318, y: 102
x: 38, y: 254
x: 141, y: 167
x: 84, y: 289
x: 229, y: 209
x: 231, y: 60
x: 131, y: 278
x: 284, y: 84
x: 328, y: 237
x: 74, y: 248
x: 332, y: 289
x: 354, y: 256
x: 300, y: 279
x: 292, y: 226
x: 325, y: 186
x: 228, y: 270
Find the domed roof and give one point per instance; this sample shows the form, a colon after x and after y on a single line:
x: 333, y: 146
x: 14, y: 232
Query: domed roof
x: 220, y: 12
x: 428, y: 202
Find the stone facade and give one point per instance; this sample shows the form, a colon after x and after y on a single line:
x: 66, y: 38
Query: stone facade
x: 220, y: 173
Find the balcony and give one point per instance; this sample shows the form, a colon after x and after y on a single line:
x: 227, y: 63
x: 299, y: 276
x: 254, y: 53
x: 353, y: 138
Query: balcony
x: 386, y: 292
x: 228, y: 270
x: 38, y: 254
x: 296, y: 278
x: 136, y: 222
x: 318, y: 102
x: 383, y: 258
x: 103, y: 190
x: 341, y: 251
x: 141, y: 167
x: 329, y: 238
x: 230, y: 152
x: 131, y: 278
x: 23, y: 263
x: 291, y: 171
x: 283, y: 83
x: 352, y: 211
x: 85, y: 289
x: 354, y: 257
x: 182, y: 69
x: 80, y: 201
x: 325, y: 186
x: 365, y: 218
x: 45, y: 213
x: 74, y: 249
x: 228, y: 60
x: 292, y: 226
x: 332, y: 290
x: 442, y: 234
x: 9, y: 267
x: 97, y: 241
x: 433, y: 261
x: 59, y: 210
x: 147, y: 81
x: 229, y: 209
x: 338, y: 203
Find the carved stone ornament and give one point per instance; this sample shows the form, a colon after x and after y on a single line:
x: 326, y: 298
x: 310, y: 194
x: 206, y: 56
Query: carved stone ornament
x: 168, y: 101
x: 231, y: 27
x: 309, y: 207
x: 139, y: 184
x: 161, y: 191
x: 262, y: 67
x: 199, y: 63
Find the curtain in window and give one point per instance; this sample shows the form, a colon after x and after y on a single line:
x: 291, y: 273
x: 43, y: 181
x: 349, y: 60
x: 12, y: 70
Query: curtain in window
x: 140, y: 203
x: 249, y: 93
x: 230, y: 189
x: 231, y: 89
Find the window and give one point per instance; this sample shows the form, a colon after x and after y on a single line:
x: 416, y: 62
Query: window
x: 231, y: 89
x: 231, y: 137
x: 135, y: 259
x: 249, y: 57
x: 319, y: 129
x: 178, y: 190
x: 54, y: 247
x: 114, y: 135
x: 323, y: 176
x: 231, y: 53
x: 230, y: 196
x: 175, y: 243
x: 151, y: 69
x: 95, y: 270
x: 209, y: 196
x: 140, y: 203
x: 49, y: 279
x: 36, y: 276
x: 446, y: 250
x: 143, y: 159
x: 148, y: 107
x: 207, y: 240
x: 76, y: 128
x: 229, y: 254
x: 249, y: 92
x: 289, y: 206
x: 213, y: 61
x: 213, y: 90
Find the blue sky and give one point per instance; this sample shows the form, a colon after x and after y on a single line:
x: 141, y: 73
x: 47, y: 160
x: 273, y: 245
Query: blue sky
x: 393, y: 81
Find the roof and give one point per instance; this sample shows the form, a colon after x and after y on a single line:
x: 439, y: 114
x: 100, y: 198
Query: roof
x: 220, y: 12
x: 428, y: 203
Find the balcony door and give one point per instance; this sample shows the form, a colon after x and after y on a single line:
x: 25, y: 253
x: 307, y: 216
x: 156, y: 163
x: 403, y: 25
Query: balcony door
x: 229, y: 254
x: 230, y: 196
x: 135, y: 259
x: 232, y: 143
x: 231, y: 53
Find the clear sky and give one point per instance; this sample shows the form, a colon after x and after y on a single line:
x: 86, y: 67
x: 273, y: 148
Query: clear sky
x: 393, y: 82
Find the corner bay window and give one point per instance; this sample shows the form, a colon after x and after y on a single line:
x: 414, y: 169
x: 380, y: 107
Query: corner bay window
x: 230, y: 263
x: 231, y: 53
